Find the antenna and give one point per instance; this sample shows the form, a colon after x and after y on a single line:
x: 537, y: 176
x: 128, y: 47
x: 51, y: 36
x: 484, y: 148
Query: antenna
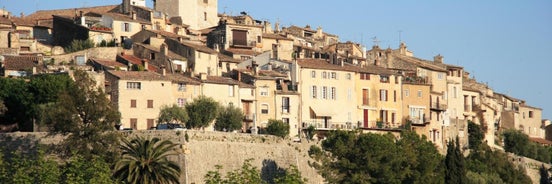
x: 400, y: 40
x: 225, y: 9
x: 375, y: 40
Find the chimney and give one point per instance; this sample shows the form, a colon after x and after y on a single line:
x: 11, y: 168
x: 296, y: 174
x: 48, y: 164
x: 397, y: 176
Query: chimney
x: 163, y: 70
x: 267, y: 27
x: 125, y: 7
x: 402, y: 49
x: 145, y: 64
x: 239, y: 76
x: 203, y: 76
x: 254, y: 67
x: 22, y: 14
x: 438, y: 58
x: 164, y: 49
x: 277, y: 27
x: 133, y: 15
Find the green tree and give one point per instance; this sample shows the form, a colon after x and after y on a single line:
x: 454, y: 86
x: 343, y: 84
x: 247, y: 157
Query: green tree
x: 84, y: 113
x: 146, y: 161
x: 17, y: 100
x: 229, y: 119
x: 515, y: 142
x: 244, y: 175
x: 489, y: 164
x: 173, y: 114
x: 277, y: 128
x: 46, y: 88
x: 290, y: 176
x: 455, y: 171
x: 81, y: 170
x: 423, y: 161
x: 78, y: 45
x: 202, y: 111
x: 476, y: 135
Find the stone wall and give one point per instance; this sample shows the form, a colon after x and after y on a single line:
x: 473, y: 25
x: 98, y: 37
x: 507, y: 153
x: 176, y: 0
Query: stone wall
x: 108, y: 53
x: 204, y: 150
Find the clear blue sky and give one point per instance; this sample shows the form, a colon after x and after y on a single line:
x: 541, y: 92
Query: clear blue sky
x: 506, y: 44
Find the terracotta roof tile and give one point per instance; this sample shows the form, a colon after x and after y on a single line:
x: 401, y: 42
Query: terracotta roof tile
x: 220, y: 80
x: 137, y: 61
x: 325, y: 65
x: 182, y: 78
x: 166, y: 34
x: 198, y: 47
x: 21, y: 62
x: 225, y: 58
x: 31, y: 19
x: 109, y: 63
x: 138, y: 75
x: 275, y: 36
x: 171, y: 54
x: 241, y: 51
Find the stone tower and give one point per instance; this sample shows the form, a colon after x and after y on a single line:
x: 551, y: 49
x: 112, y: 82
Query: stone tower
x: 198, y: 14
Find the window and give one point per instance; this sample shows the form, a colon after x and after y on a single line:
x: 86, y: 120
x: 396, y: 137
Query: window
x: 313, y: 74
x: 152, y: 56
x: 334, y: 75
x: 150, y: 103
x: 181, y: 102
x: 406, y: 92
x: 132, y: 103
x: 259, y: 39
x: 333, y: 93
x: 230, y: 90
x: 419, y: 93
x: 384, y: 79
x: 150, y: 123
x: 204, y: 16
x: 530, y: 114
x: 126, y: 27
x: 364, y: 76
x: 313, y: 92
x: 348, y: 76
x: 181, y: 87
x: 324, y: 75
x: 383, y: 95
x: 263, y: 91
x: 396, y: 79
x: 134, y: 123
x: 264, y: 108
x: 324, y: 92
x: 440, y: 76
x: 285, y: 104
x: 206, y: 1
x: 134, y: 85
x: 365, y: 97
x: 394, y: 95
x: 239, y: 37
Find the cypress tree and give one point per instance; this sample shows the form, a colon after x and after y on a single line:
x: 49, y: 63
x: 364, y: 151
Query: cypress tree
x: 455, y: 172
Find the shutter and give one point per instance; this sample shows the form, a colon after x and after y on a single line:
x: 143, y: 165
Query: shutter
x: 129, y: 27
x: 310, y: 91
x: 386, y: 96
x: 122, y: 27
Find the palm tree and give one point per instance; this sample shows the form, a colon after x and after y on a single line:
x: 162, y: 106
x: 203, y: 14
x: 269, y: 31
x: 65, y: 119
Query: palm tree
x: 145, y: 161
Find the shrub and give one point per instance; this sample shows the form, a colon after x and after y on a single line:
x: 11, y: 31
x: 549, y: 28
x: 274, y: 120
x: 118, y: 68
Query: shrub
x: 78, y: 45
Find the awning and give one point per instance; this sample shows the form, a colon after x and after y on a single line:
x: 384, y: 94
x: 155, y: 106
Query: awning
x: 323, y: 111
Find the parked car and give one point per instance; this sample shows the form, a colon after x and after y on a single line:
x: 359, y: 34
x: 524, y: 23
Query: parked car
x: 169, y: 126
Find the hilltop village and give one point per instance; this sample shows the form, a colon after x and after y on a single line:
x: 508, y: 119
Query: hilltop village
x: 146, y: 58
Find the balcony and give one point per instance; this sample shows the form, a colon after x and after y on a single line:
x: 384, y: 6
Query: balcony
x: 289, y: 87
x: 438, y: 106
x: 415, y: 80
x: 418, y: 121
x: 242, y: 43
x: 329, y: 125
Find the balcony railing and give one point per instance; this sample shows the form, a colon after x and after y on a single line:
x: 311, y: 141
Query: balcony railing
x: 415, y: 80
x: 289, y: 87
x: 330, y: 125
x: 438, y: 106
x: 418, y: 120
x: 243, y: 43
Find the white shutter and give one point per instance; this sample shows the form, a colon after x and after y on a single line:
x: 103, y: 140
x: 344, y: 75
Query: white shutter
x: 122, y: 27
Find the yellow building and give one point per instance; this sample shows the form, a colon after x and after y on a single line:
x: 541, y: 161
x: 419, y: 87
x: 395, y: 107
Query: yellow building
x: 138, y: 96
x: 378, y: 98
x: 280, y: 46
x: 328, y: 99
